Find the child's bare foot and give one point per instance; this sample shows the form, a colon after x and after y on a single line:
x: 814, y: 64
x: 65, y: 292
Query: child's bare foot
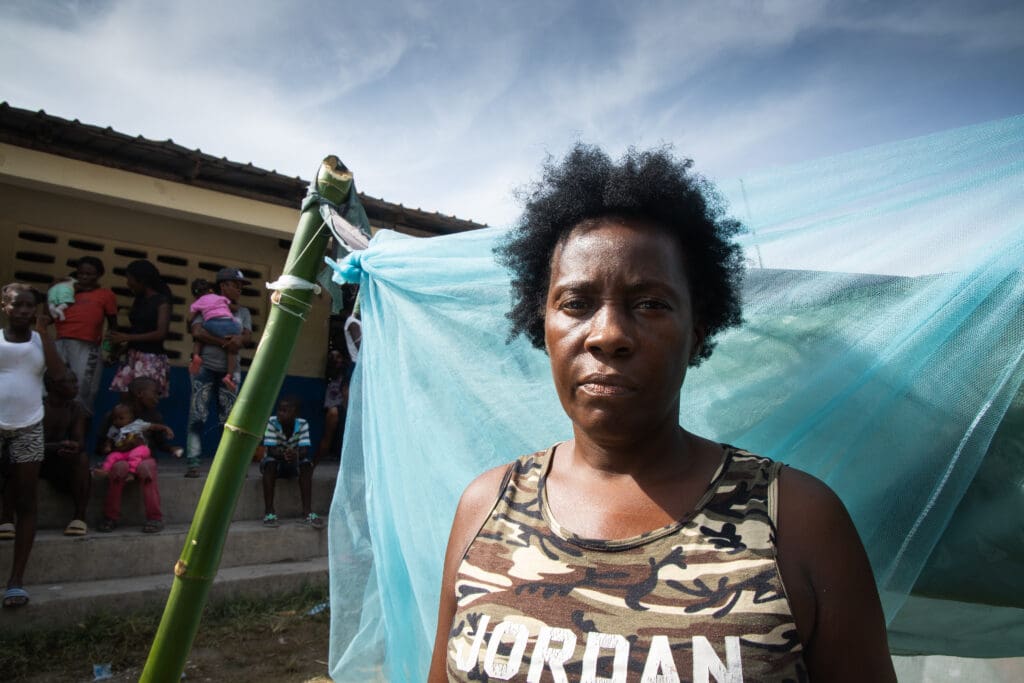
x: 99, y: 472
x: 193, y: 367
x: 229, y: 382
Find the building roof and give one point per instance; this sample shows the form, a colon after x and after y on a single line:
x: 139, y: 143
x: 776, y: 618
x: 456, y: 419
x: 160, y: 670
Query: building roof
x: 168, y: 160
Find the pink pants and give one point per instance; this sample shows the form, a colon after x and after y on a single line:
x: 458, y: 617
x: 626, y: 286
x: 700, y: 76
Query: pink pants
x: 132, y: 457
x: 145, y: 472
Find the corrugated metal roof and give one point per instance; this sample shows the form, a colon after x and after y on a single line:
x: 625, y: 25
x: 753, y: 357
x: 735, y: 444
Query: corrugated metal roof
x: 168, y: 160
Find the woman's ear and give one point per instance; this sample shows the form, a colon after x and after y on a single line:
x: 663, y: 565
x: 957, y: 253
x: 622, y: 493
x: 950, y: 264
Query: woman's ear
x: 699, y: 335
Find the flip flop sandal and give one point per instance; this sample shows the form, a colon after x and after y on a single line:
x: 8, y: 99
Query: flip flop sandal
x: 270, y: 519
x: 76, y: 527
x: 15, y: 598
x: 6, y: 531
x: 314, y: 521
x: 152, y: 526
x: 106, y: 526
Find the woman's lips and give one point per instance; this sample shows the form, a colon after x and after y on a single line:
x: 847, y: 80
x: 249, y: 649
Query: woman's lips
x: 606, y: 385
x: 604, y: 389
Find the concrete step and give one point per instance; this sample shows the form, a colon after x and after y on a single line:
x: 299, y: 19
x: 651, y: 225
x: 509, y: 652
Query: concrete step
x: 179, y: 496
x: 63, y: 604
x: 129, y: 552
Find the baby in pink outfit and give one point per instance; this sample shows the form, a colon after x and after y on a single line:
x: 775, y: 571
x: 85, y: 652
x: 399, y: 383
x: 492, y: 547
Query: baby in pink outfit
x: 219, y: 320
x: 126, y: 439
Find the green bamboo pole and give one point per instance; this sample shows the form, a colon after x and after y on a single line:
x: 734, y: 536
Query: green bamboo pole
x: 195, y: 570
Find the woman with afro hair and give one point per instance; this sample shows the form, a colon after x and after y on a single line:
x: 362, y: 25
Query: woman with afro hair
x: 637, y: 550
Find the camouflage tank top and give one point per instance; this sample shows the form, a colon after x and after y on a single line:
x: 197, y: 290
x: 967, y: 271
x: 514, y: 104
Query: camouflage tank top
x: 698, y: 600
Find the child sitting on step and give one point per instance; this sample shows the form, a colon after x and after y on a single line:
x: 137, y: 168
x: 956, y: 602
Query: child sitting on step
x: 143, y: 397
x: 65, y: 463
x: 126, y: 440
x: 218, y: 320
x: 121, y: 470
x: 287, y: 442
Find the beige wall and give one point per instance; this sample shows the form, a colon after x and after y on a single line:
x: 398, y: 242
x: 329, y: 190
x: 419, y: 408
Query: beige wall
x: 181, y: 244
x: 69, y: 177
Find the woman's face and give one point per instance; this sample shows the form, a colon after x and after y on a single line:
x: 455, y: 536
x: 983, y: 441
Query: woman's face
x: 619, y: 328
x: 20, y: 310
x: 87, y: 276
x: 134, y: 284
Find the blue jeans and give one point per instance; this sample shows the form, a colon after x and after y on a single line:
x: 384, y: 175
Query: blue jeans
x: 222, y: 327
x: 199, y: 410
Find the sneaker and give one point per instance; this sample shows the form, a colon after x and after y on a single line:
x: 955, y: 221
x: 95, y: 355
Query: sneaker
x: 314, y: 520
x: 270, y: 519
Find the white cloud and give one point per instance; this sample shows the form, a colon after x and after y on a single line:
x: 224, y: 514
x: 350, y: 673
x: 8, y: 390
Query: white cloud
x: 450, y: 107
x: 972, y: 27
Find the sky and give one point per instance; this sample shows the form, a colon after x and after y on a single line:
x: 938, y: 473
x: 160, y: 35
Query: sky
x: 453, y: 106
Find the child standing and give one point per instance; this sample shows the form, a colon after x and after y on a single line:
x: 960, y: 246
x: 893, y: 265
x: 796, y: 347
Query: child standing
x: 287, y: 442
x: 126, y: 440
x: 25, y: 355
x: 218, y: 320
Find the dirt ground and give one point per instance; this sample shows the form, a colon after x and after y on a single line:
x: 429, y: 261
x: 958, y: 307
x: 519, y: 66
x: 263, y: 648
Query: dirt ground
x: 296, y: 653
x: 284, y: 647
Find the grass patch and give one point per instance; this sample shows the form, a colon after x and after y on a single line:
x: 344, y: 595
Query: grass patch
x: 124, y: 640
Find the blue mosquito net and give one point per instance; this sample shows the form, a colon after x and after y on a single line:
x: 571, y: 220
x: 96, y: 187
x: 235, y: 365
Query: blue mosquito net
x: 881, y: 351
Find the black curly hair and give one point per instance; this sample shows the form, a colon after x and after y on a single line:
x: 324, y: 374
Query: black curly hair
x: 201, y: 286
x: 651, y: 186
x: 92, y: 261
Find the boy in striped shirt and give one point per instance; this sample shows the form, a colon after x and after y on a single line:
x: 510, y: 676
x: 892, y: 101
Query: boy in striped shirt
x: 288, y: 456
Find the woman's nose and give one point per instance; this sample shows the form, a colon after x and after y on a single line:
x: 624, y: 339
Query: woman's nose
x: 611, y: 331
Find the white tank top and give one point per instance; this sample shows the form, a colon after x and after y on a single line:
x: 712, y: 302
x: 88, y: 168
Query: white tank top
x: 21, y: 381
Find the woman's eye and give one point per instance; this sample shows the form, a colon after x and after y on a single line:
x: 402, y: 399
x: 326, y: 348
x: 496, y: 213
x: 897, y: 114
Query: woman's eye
x: 573, y: 305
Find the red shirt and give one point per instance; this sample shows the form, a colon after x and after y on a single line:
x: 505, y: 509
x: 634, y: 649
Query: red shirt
x: 83, y: 320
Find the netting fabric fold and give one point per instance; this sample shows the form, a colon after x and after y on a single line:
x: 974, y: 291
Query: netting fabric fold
x: 881, y: 351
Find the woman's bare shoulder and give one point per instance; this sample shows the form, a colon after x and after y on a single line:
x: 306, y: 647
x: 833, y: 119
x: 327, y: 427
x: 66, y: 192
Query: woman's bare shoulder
x: 811, y: 516
x: 798, y: 489
x: 483, y: 491
x: 476, y: 503
x: 830, y: 584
